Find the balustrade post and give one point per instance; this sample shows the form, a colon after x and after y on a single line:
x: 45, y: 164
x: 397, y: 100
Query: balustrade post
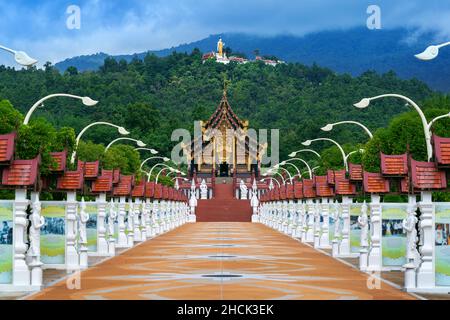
x: 425, y: 272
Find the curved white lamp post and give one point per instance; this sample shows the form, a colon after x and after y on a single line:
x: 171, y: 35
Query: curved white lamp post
x: 291, y: 164
x: 121, y: 130
x: 138, y: 142
x: 430, y: 125
x: 308, y: 143
x: 152, y: 151
x: 273, y: 173
x: 285, y: 170
x: 304, y: 162
x: 153, y: 158
x: 156, y: 165
x: 86, y: 101
x: 353, y: 152
x: 330, y: 126
x: 293, y: 154
x: 172, y: 170
x: 364, y: 103
x: 21, y: 57
x: 273, y: 179
x: 184, y: 179
x: 431, y: 52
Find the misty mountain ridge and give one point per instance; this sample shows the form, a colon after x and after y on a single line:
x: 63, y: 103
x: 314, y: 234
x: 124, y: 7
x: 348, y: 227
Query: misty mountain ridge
x: 351, y: 51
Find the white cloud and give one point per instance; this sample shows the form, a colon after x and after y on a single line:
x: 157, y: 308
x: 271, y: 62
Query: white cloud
x: 116, y: 28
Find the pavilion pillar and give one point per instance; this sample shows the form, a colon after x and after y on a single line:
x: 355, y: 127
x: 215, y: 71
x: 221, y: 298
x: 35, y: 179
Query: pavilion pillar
x: 374, y: 259
x: 102, y: 244
x: 122, y: 237
x: 21, y: 273
x: 412, y: 255
x: 310, y: 221
x: 137, y: 220
x: 34, y: 252
x: 130, y: 224
x: 317, y: 224
x: 148, y: 221
x: 344, y: 246
x: 324, y: 242
x: 72, y: 257
x: 425, y: 272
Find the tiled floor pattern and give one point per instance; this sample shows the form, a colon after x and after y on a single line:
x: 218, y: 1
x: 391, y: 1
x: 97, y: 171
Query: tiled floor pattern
x: 222, y: 261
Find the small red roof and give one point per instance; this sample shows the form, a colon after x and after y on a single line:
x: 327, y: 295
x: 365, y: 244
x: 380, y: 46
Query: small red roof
x: 21, y: 173
x: 7, y: 143
x: 308, y: 188
x: 158, y: 191
x: 375, y: 183
x: 60, y: 160
x: 91, y: 169
x: 123, y: 188
x: 298, y: 189
x: 150, y: 190
x: 394, y: 165
x: 102, y: 184
x: 139, y: 190
x: 71, y: 180
x: 426, y: 176
x: 283, y: 192
x: 323, y: 189
x: 345, y: 187
x: 290, y: 191
x: 355, y: 172
x: 442, y: 150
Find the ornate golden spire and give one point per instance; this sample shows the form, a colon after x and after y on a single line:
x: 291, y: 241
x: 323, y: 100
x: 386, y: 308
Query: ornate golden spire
x: 225, y: 85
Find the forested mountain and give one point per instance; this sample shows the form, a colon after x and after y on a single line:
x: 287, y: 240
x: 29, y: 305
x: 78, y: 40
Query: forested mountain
x: 154, y: 96
x: 351, y: 51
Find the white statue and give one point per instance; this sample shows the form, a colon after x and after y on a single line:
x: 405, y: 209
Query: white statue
x: 337, y: 222
x: 409, y: 225
x: 244, y: 190
x: 271, y: 186
x: 112, y: 218
x: 203, y: 190
x: 130, y: 217
x: 35, y: 230
x: 363, y: 222
x: 84, y: 217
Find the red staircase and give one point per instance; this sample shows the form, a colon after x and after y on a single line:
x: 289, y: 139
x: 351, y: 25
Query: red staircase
x: 223, y: 207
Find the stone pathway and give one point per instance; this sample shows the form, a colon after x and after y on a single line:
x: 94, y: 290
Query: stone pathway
x: 222, y: 261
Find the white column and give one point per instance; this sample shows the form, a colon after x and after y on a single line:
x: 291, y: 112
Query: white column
x: 34, y: 252
x: 317, y: 228
x: 310, y: 221
x: 337, y: 209
x: 111, y: 228
x: 412, y: 255
x: 425, y: 272
x: 136, y: 220
x: 344, y: 248
x: 325, y: 236
x: 148, y: 222
x: 72, y: 257
x: 122, y: 237
x: 155, y: 218
x: 374, y: 261
x: 83, y: 218
x: 102, y: 244
x: 130, y: 224
x: 21, y: 273
x: 143, y: 209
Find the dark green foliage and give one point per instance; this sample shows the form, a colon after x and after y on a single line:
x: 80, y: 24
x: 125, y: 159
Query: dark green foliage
x: 10, y: 118
x: 123, y: 157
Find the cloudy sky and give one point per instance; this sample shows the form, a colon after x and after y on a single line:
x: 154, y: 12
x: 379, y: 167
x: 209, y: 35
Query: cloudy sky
x: 39, y: 27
